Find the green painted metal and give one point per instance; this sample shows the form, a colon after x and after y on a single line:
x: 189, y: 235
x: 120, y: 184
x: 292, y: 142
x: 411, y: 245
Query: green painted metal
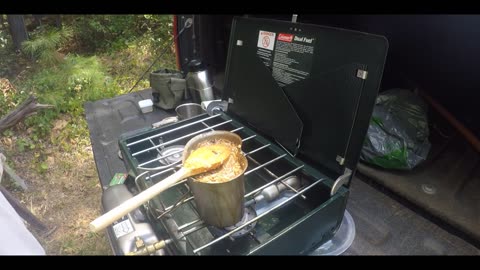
x: 296, y: 228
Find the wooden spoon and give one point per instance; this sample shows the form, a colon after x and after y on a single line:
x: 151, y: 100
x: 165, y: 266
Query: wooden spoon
x: 201, y: 160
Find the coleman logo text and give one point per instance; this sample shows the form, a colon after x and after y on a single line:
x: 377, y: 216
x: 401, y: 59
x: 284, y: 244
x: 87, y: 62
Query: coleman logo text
x: 285, y: 37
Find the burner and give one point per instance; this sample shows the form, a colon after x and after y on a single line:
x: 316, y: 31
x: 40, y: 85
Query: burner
x: 166, y: 156
x: 248, y: 215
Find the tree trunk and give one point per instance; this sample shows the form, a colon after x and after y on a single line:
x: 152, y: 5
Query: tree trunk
x: 58, y: 21
x: 37, y: 19
x: 16, y: 24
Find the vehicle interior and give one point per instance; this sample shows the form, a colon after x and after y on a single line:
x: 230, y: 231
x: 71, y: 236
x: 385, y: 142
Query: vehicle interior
x: 433, y: 56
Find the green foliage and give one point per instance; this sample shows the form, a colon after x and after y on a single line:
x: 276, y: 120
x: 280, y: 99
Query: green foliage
x: 45, y: 42
x: 7, y: 54
x: 7, y: 133
x: 68, y: 86
x: 105, y: 55
x: 43, y: 167
x: 5, y: 39
x: 25, y: 144
x: 103, y: 33
x: 159, y: 30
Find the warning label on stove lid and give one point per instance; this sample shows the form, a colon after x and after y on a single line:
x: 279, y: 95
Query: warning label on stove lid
x: 291, y: 58
x: 266, y: 40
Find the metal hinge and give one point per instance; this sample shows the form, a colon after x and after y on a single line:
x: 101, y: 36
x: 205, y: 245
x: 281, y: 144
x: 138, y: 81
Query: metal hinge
x: 340, y: 160
x: 294, y: 18
x: 362, y: 74
x: 341, y: 180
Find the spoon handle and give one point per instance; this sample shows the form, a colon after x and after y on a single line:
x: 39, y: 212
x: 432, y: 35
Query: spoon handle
x: 131, y: 204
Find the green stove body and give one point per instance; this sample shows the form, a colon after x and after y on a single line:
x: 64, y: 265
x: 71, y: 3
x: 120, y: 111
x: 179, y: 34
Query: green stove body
x: 300, y: 96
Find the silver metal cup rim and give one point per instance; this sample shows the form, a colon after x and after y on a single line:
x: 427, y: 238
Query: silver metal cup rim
x: 188, y: 104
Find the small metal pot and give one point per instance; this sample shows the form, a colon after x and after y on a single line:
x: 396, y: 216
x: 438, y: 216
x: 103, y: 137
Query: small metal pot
x: 219, y: 204
x: 184, y: 111
x: 188, y: 110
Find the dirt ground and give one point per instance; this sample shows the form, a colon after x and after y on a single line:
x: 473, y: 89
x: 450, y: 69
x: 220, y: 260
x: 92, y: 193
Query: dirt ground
x: 66, y: 195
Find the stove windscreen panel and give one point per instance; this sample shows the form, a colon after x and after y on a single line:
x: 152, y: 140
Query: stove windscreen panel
x: 327, y: 77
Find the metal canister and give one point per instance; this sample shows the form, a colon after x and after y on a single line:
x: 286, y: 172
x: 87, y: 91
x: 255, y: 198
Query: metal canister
x: 132, y: 227
x: 199, y: 82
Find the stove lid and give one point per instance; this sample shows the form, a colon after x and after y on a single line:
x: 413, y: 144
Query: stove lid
x: 311, y: 88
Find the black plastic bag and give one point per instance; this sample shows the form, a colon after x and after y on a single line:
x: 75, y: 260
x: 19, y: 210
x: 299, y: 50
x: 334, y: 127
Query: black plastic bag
x: 397, y: 136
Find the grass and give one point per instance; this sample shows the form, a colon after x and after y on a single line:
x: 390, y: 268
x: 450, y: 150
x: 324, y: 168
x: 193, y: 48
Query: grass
x: 51, y: 150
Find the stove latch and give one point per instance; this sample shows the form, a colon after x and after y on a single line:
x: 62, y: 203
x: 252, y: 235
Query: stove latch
x: 341, y: 180
x: 215, y: 106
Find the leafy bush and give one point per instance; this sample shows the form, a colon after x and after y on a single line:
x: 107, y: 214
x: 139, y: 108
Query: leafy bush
x: 159, y: 30
x: 105, y: 55
x: 102, y: 33
x: 68, y: 86
x: 45, y: 42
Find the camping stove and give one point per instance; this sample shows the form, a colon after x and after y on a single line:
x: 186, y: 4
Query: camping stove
x: 288, y: 209
x: 300, y: 96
